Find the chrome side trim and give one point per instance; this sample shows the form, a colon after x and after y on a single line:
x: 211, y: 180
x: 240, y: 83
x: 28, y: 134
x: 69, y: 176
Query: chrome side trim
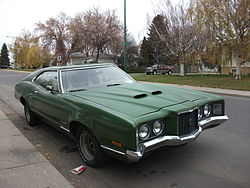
x: 215, y: 120
x: 110, y: 149
x: 88, y: 67
x: 64, y: 129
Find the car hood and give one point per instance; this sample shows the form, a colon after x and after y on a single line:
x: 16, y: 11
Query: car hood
x: 137, y: 99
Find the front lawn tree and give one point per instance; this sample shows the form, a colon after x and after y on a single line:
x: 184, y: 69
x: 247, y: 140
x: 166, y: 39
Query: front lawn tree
x: 229, y: 23
x: 158, y: 48
x: 102, y: 30
x: 145, y: 53
x: 4, y: 60
x: 180, y: 37
x: 28, y: 52
x: 96, y: 32
x: 54, y: 34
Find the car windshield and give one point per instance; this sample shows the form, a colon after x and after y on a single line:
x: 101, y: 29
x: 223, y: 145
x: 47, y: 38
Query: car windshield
x: 83, y: 79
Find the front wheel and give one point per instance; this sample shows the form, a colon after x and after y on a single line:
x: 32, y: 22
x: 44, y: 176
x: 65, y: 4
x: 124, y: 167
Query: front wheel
x: 30, y: 117
x: 89, y: 148
x: 169, y: 72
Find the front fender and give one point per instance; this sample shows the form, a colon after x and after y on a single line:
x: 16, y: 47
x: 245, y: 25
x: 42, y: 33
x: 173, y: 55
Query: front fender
x: 107, y: 125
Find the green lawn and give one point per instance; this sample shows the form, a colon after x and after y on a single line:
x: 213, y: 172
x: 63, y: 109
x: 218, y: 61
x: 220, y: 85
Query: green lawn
x: 215, y: 81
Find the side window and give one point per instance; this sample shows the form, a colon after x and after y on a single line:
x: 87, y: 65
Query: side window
x: 48, y: 78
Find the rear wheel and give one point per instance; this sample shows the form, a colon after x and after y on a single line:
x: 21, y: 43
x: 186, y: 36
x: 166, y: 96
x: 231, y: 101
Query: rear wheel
x: 154, y: 72
x: 30, y: 117
x: 169, y: 72
x: 89, y: 148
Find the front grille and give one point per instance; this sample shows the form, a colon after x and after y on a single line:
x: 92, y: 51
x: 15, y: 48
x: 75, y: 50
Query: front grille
x: 187, y: 122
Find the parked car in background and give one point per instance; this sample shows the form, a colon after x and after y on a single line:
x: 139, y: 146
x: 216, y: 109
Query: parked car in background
x: 159, y: 69
x: 107, y: 112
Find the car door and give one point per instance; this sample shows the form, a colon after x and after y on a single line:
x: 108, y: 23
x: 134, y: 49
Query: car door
x: 46, y: 98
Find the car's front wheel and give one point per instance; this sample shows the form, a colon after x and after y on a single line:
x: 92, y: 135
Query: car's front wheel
x: 89, y: 148
x: 30, y: 117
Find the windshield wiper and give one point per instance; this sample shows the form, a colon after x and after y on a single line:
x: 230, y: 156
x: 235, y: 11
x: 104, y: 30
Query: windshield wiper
x: 75, y: 90
x: 113, y: 85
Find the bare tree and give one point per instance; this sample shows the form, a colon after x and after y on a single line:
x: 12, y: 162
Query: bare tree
x: 104, y: 30
x: 55, y: 36
x: 95, y: 32
x: 180, y: 37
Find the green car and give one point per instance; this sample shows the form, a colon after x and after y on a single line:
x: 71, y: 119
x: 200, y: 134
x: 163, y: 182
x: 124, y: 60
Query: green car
x: 107, y: 112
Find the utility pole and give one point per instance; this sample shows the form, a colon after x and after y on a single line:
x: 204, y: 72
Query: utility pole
x: 125, y: 38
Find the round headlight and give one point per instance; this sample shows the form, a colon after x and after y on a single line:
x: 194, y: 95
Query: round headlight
x: 144, y: 132
x: 207, y: 110
x: 158, y: 127
x: 199, y: 113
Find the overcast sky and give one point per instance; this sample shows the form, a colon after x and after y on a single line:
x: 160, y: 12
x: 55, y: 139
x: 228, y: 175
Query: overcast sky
x: 16, y: 15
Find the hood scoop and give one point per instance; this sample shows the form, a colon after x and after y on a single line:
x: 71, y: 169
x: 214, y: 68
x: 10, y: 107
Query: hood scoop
x: 156, y: 92
x: 139, y: 96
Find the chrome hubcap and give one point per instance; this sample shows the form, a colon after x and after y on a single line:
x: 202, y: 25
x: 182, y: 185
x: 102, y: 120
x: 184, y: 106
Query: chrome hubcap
x: 87, y: 146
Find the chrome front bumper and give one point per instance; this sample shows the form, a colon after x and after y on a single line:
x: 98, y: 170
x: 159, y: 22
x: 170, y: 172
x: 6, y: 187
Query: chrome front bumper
x: 134, y: 156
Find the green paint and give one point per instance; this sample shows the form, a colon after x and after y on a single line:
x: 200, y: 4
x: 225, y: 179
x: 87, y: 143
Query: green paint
x: 111, y: 113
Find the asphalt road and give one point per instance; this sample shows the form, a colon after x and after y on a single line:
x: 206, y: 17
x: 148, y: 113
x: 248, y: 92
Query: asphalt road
x: 220, y: 157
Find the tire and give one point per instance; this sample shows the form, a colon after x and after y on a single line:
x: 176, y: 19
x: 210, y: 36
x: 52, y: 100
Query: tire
x: 30, y: 117
x: 89, y: 148
x: 169, y: 72
x: 154, y: 72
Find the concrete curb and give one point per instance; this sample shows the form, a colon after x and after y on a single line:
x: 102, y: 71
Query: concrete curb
x: 13, y: 70
x: 21, y: 164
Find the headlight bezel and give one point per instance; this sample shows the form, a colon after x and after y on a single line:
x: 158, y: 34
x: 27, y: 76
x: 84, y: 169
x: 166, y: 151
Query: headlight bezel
x: 214, y: 109
x: 161, y: 127
x: 207, y: 110
x: 147, y: 135
x: 152, y: 133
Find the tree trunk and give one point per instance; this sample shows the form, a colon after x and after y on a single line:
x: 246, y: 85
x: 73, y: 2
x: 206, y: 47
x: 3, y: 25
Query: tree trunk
x: 238, y: 64
x: 182, y: 69
x: 97, y: 55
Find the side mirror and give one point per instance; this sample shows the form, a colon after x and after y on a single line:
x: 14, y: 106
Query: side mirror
x: 50, y: 88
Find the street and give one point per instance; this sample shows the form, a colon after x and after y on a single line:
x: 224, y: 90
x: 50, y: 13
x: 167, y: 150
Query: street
x: 218, y: 158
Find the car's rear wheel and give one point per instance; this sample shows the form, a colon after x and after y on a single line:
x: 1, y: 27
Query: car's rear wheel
x: 30, y: 117
x: 89, y: 148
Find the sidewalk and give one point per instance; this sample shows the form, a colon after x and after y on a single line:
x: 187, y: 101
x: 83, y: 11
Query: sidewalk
x: 21, y: 164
